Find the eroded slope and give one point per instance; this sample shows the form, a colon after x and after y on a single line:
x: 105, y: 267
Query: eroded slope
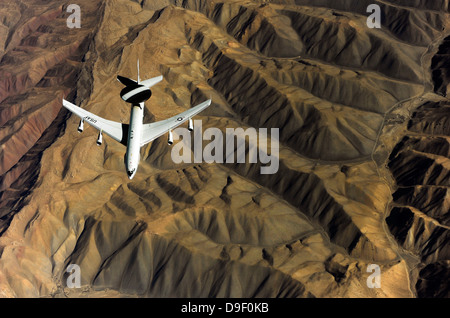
x: 313, y: 70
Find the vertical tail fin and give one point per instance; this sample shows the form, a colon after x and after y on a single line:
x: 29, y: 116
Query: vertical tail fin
x: 139, y: 78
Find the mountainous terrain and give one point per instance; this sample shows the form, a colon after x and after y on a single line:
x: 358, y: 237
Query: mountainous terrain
x: 364, y: 128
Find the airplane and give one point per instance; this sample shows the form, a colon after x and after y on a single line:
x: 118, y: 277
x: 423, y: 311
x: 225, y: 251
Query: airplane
x: 136, y: 134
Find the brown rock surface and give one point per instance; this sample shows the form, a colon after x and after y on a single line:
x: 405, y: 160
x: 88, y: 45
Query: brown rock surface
x: 420, y: 218
x: 342, y: 95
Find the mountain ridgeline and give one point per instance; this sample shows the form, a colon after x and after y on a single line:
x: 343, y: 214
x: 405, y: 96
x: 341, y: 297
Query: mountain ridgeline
x: 363, y: 150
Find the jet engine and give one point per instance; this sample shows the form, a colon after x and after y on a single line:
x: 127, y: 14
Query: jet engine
x: 81, y: 126
x: 99, y: 139
x: 190, y: 125
x: 170, y: 139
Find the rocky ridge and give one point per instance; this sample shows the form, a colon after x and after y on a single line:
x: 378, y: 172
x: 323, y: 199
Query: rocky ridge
x: 314, y: 70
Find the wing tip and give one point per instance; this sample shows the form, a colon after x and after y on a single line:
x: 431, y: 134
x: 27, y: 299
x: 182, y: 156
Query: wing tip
x: 159, y: 79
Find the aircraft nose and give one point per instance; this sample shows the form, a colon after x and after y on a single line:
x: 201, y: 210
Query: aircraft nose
x: 131, y: 173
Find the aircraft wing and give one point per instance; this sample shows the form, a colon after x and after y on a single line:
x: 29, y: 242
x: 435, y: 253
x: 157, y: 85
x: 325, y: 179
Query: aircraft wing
x: 154, y: 130
x: 115, y: 130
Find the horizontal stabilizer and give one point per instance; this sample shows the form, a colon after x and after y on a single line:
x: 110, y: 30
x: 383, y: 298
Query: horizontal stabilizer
x: 152, y: 81
x: 126, y: 81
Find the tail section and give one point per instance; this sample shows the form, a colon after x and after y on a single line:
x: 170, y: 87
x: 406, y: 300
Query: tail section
x: 152, y: 81
x: 126, y: 81
x: 139, y: 78
x: 146, y: 83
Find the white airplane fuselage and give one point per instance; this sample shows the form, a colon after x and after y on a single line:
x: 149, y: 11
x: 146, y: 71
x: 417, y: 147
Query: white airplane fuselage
x: 133, y: 155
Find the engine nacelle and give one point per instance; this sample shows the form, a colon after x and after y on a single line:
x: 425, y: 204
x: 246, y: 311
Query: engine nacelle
x: 170, y: 138
x: 99, y: 139
x: 190, y: 125
x: 81, y: 126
